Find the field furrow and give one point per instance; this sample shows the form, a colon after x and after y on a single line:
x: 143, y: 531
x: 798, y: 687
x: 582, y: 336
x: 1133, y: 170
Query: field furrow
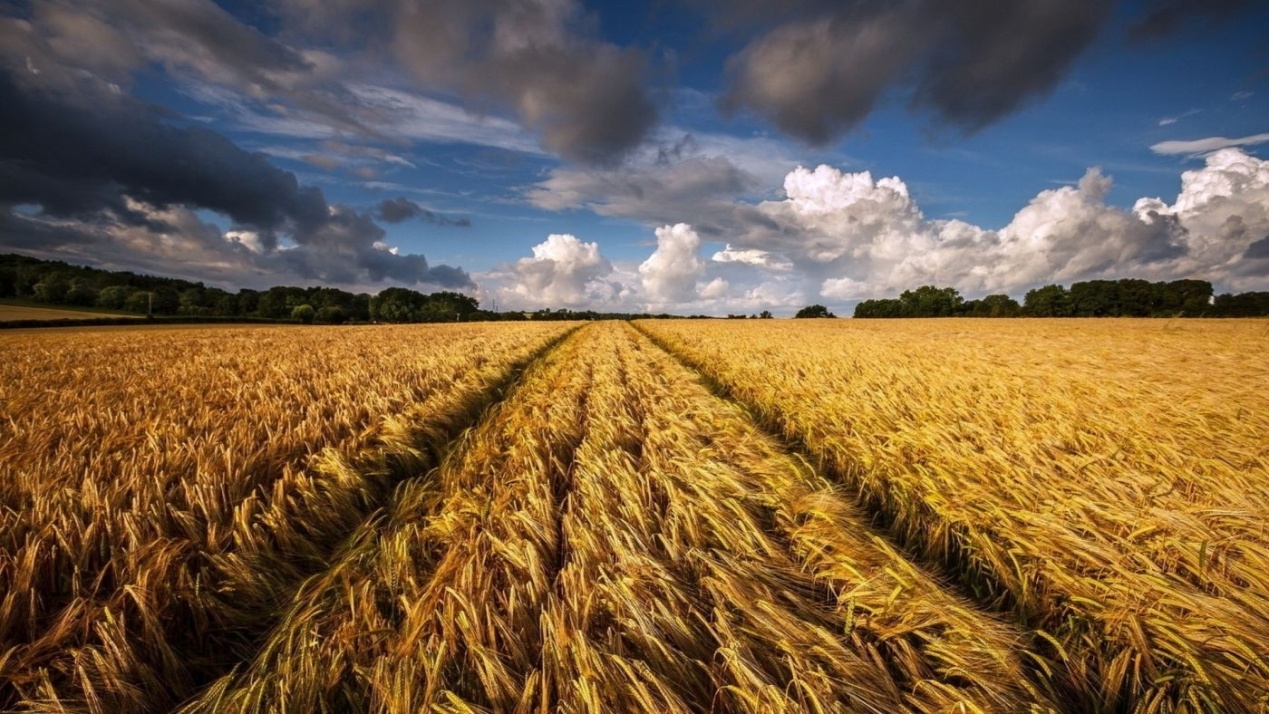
x: 1107, y: 481
x: 614, y: 538
x: 164, y: 492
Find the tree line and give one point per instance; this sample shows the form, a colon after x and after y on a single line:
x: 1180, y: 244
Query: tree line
x: 1092, y: 298
x: 53, y: 282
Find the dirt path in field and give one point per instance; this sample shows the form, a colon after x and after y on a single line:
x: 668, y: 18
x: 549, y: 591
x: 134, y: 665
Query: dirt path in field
x: 613, y: 537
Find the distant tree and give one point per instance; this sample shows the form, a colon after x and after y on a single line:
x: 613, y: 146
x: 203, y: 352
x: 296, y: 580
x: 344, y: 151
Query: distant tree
x: 931, y: 301
x: 52, y: 288
x: 304, y: 314
x: 226, y: 304
x: 8, y: 281
x: 992, y: 306
x: 1048, y: 301
x: 397, y: 305
x: 814, y: 311
x: 248, y: 302
x: 1243, y: 305
x: 331, y: 315
x: 765, y: 315
x: 272, y: 304
x: 138, y: 302
x: 166, y: 301
x: 81, y: 293
x: 114, y: 297
x: 359, y: 308
x: 1183, y: 297
x: 879, y: 308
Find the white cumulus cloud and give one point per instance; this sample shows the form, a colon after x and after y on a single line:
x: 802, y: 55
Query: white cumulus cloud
x: 851, y: 236
x: 669, y: 274
x: 563, y: 272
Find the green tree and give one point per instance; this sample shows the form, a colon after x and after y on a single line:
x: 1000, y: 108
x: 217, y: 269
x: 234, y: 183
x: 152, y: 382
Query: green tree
x: 930, y: 301
x: 138, y: 302
x: 814, y: 311
x: 879, y: 308
x: 81, y: 292
x: 52, y: 288
x: 331, y: 315
x: 992, y: 306
x: 397, y: 305
x: 1048, y: 301
x: 304, y: 314
x: 114, y: 297
x: 765, y: 315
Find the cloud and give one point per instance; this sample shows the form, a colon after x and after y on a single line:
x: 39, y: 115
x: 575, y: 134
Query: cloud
x: 541, y: 60
x: 669, y: 274
x: 1169, y: 121
x: 850, y: 236
x: 1203, y: 146
x: 698, y: 186
x: 1168, y: 16
x: 824, y: 68
x: 403, y: 114
x: 116, y: 180
x: 715, y: 289
x: 839, y: 237
x: 683, y: 175
x: 563, y: 272
x: 401, y: 209
x: 752, y: 256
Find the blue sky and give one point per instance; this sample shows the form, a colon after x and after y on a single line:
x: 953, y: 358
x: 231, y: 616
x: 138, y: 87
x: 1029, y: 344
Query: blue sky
x: 1023, y: 136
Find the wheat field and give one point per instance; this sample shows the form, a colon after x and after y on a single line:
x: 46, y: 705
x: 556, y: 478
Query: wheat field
x: 669, y: 516
x: 1106, y: 481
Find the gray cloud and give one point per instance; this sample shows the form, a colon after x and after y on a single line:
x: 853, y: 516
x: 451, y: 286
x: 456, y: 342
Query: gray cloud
x: 1000, y: 54
x: 1167, y: 16
x: 111, y: 175
x: 401, y: 209
x: 541, y: 60
x: 701, y: 187
x: 820, y: 72
x: 819, y: 78
x: 1258, y: 250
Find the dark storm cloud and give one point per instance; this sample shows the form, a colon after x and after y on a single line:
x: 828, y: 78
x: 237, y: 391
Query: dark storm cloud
x: 401, y: 209
x: 1259, y: 250
x: 1168, y: 16
x: 1000, y: 54
x: 107, y: 171
x: 77, y: 158
x: 821, y: 72
x: 585, y: 98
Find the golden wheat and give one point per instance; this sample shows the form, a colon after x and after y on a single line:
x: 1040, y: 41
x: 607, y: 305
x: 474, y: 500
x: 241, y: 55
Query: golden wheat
x: 162, y: 492
x: 1108, y: 480
x: 614, y: 538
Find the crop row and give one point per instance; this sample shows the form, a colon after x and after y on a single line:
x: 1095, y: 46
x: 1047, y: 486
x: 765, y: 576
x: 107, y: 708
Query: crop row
x: 614, y: 538
x: 1108, y: 482
x: 162, y: 491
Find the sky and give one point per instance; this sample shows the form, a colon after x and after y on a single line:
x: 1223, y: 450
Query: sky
x: 690, y: 156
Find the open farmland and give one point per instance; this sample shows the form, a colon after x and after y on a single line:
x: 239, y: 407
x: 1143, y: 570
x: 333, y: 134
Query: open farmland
x: 679, y: 516
x: 10, y: 313
x: 1107, y: 481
